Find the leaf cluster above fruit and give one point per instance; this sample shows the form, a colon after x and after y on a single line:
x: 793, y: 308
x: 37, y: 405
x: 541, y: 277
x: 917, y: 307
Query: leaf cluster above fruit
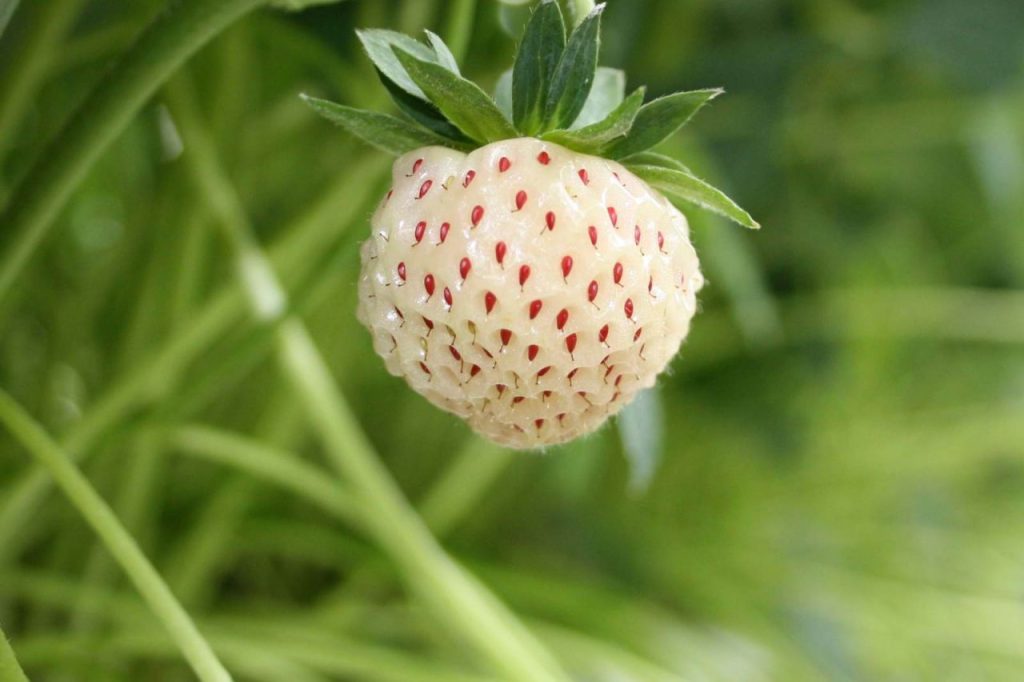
x: 555, y: 91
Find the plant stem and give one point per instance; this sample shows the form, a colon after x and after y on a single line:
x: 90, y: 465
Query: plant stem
x: 10, y: 669
x: 459, y: 27
x: 160, y: 50
x: 459, y: 601
x: 475, y: 468
x: 29, y: 65
x: 119, y: 542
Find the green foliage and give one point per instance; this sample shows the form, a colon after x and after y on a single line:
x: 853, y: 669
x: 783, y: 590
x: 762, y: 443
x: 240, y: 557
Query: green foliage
x: 572, y: 77
x: 840, y: 486
x: 684, y: 185
x: 395, y: 134
x: 540, y: 50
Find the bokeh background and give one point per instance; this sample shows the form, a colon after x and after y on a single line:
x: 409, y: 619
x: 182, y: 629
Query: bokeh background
x: 838, y: 493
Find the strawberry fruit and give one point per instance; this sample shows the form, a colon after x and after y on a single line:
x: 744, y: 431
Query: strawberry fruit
x: 524, y: 271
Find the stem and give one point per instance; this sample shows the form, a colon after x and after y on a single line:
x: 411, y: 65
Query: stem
x: 459, y: 489
x: 457, y: 599
x: 270, y: 464
x: 171, y: 39
x: 459, y: 27
x: 10, y: 669
x: 30, y: 64
x: 7, y: 8
x: 119, y: 542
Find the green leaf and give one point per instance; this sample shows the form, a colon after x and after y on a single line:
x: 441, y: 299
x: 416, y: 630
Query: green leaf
x: 444, y: 56
x: 538, y: 56
x: 461, y: 101
x: 574, y: 75
x: 378, y: 43
x: 660, y: 118
x: 503, y: 93
x: 641, y: 429
x: 689, y: 188
x: 655, y: 159
x: 593, y: 138
x: 388, y: 133
x: 422, y: 111
x: 607, y: 92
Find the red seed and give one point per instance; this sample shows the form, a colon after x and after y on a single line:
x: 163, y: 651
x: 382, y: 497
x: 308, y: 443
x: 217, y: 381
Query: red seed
x: 489, y: 301
x: 614, y: 216
x: 448, y: 297
x: 562, y: 318
x: 524, y: 274
x: 504, y: 164
x: 617, y: 273
x: 650, y: 285
x: 603, y: 334
x: 477, y: 215
x: 549, y: 219
x: 571, y: 374
x: 469, y: 178
x: 661, y: 241
x: 593, y: 234
x: 518, y: 399
x: 535, y: 308
x: 399, y: 313
x: 424, y: 188
x: 455, y: 353
x: 416, y: 165
x: 500, y: 249
x: 618, y: 380
x: 401, y: 271
x: 421, y: 228
x: 636, y: 235
x: 539, y: 423
x: 638, y: 333
x: 531, y: 352
x: 428, y: 284
x: 427, y: 321
x: 444, y: 231
x: 474, y: 370
x: 506, y: 336
x: 543, y: 371
x: 628, y: 308
x: 424, y: 367
x: 592, y: 291
x: 561, y: 417
x: 544, y: 158
x: 520, y: 199
x: 584, y: 177
x: 566, y: 266
x: 501, y: 388
x: 545, y: 394
x: 464, y: 267
x: 570, y: 343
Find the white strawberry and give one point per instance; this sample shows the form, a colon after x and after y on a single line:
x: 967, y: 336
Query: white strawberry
x: 534, y: 284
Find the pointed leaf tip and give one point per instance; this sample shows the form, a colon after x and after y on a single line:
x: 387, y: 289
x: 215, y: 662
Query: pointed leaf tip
x: 388, y: 133
x: 461, y: 101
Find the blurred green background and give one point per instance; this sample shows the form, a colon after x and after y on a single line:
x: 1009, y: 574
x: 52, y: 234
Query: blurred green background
x: 840, y: 491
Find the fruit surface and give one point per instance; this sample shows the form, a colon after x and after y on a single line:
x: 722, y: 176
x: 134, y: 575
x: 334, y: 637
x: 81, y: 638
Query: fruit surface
x: 527, y: 288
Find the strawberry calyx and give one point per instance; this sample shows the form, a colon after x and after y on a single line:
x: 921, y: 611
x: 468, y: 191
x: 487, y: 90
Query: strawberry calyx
x: 549, y: 94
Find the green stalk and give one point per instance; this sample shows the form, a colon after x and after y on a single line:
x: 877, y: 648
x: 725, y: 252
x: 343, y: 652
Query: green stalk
x: 171, y: 39
x: 119, y: 542
x: 22, y: 75
x: 460, y: 488
x: 10, y: 669
x: 459, y: 27
x: 7, y: 8
x: 458, y: 600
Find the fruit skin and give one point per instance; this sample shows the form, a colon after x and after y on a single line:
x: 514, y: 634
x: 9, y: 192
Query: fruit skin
x: 527, y: 288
